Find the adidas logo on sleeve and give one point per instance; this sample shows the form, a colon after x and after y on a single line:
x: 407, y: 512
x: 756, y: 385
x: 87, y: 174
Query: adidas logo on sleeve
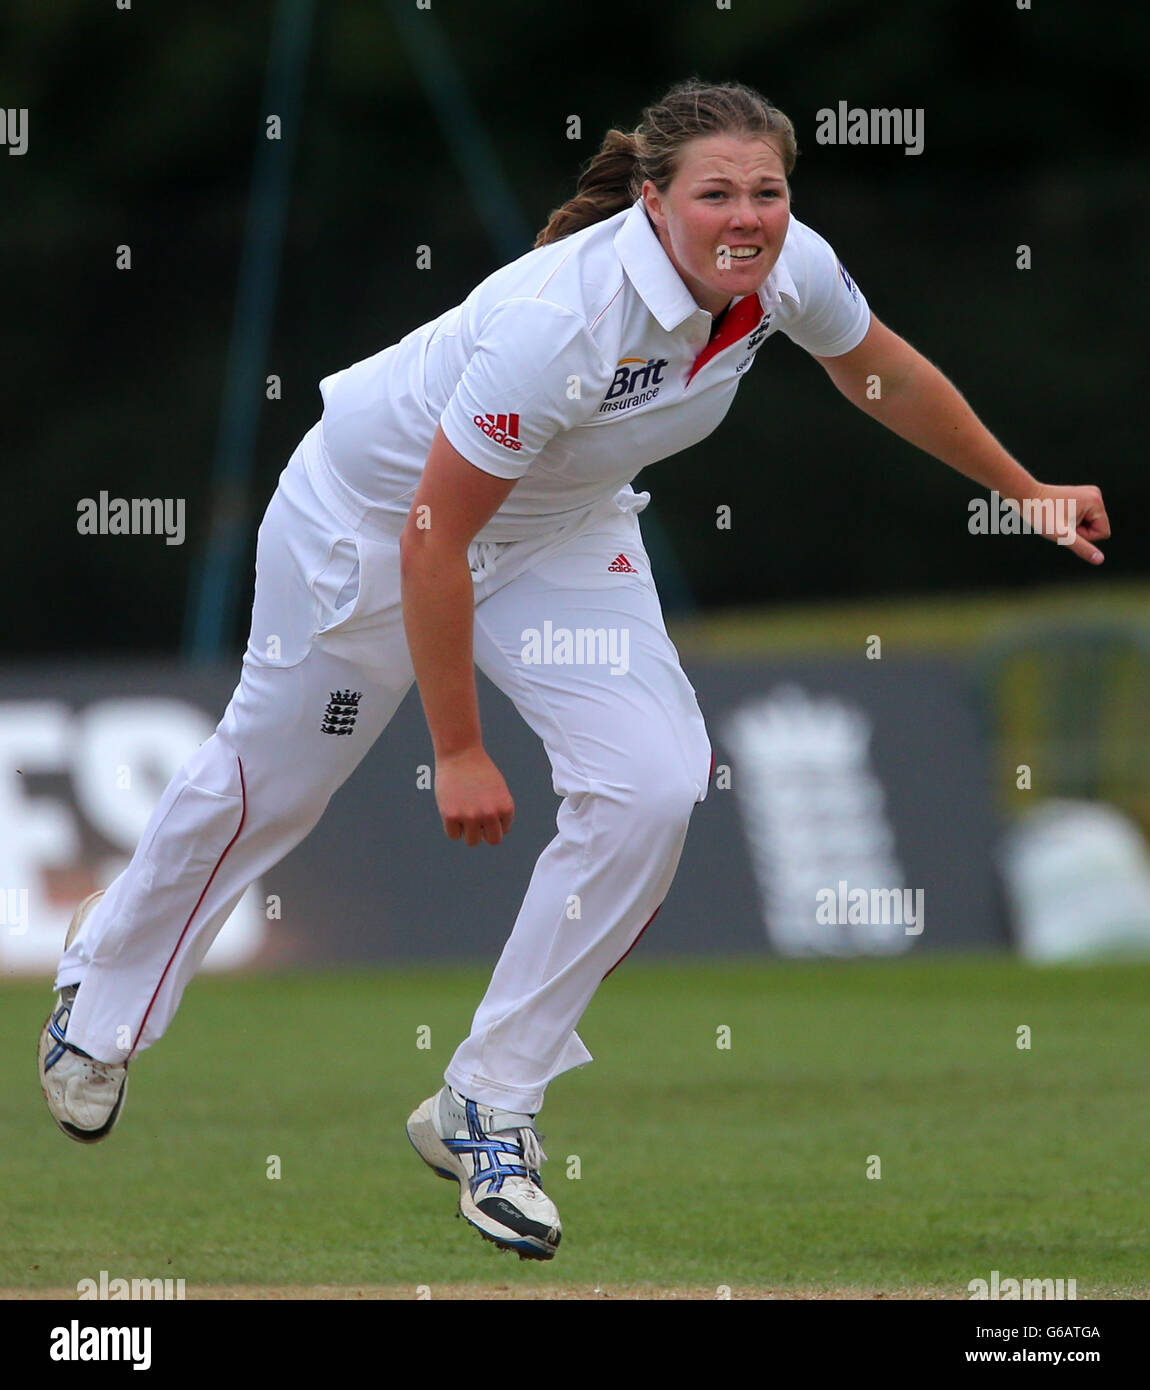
x: 501, y: 429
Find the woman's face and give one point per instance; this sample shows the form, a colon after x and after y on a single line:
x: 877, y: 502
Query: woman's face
x: 723, y: 220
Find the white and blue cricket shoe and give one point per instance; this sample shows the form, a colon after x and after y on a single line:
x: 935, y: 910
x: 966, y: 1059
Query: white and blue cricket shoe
x: 495, y: 1156
x: 84, y: 1096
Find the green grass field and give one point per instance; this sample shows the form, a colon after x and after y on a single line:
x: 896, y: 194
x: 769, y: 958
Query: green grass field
x: 700, y: 1166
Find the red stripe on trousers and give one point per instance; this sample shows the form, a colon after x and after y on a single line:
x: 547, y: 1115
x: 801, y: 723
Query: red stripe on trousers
x: 199, y: 900
x: 633, y: 944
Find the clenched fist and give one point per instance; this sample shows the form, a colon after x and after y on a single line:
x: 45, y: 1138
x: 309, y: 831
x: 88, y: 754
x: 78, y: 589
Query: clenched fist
x: 473, y: 798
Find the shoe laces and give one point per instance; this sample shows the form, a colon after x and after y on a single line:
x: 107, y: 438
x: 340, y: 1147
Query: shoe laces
x: 533, y: 1155
x: 529, y: 1146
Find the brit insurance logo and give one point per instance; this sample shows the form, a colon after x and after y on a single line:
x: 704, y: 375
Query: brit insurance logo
x: 636, y: 381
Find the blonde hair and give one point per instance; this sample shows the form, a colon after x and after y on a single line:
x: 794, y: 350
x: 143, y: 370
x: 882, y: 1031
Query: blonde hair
x: 615, y: 176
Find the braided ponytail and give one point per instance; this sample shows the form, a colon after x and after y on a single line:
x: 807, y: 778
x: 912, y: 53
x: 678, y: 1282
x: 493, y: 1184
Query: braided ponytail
x: 615, y: 177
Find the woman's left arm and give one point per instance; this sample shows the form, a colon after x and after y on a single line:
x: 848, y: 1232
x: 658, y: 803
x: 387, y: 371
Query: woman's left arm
x: 888, y: 380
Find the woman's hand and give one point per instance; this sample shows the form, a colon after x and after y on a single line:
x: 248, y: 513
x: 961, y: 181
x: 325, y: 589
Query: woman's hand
x: 1073, y: 516
x: 473, y: 798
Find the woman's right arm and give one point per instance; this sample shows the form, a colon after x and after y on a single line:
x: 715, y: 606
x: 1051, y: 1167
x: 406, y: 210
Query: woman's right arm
x: 453, y: 502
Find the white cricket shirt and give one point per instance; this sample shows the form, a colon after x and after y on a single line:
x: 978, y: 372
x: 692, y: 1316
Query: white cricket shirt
x: 570, y: 369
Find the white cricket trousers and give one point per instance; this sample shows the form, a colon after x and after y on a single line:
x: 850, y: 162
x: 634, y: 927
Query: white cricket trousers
x: 628, y: 748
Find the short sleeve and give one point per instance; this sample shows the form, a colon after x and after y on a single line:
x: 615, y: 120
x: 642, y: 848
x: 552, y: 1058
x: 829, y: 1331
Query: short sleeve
x: 534, y: 372
x: 832, y: 316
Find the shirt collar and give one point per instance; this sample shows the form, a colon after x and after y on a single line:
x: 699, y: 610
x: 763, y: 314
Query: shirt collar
x: 779, y: 281
x: 659, y: 285
x: 650, y: 270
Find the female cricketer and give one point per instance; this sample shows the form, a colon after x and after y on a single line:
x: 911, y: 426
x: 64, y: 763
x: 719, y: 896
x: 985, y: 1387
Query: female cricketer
x: 465, y: 494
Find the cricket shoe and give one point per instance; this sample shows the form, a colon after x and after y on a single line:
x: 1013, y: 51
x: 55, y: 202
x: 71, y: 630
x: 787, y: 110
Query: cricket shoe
x: 495, y: 1156
x: 84, y: 1096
